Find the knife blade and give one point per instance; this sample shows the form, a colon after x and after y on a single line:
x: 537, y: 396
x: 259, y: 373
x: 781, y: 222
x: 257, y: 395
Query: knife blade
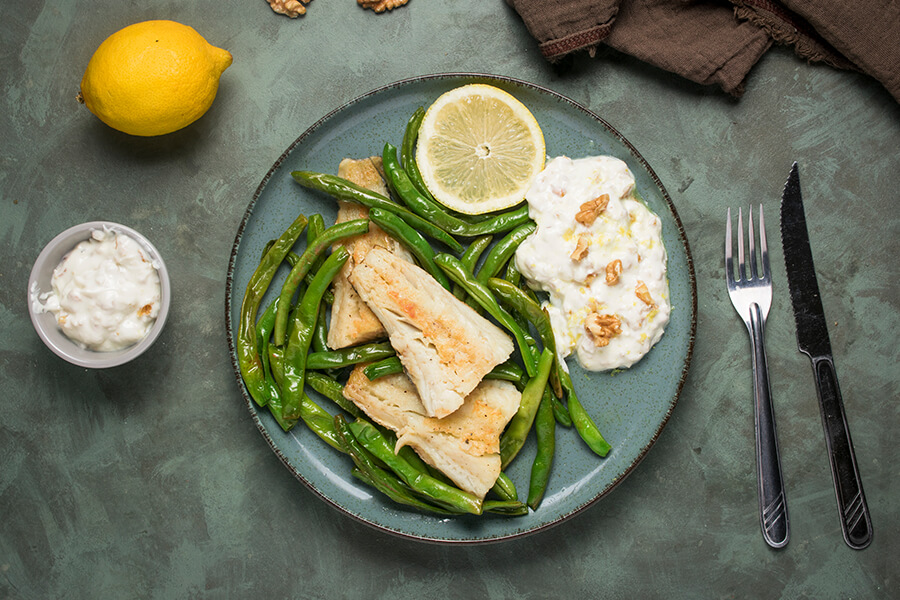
x: 813, y: 340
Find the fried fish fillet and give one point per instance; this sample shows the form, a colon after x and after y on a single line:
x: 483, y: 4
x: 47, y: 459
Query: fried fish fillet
x: 465, y: 446
x: 446, y: 347
x: 352, y: 322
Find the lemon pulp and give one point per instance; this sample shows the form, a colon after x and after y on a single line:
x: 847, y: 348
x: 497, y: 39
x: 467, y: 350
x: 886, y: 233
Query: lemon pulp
x: 479, y: 149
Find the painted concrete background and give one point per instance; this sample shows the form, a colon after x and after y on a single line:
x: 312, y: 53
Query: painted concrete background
x: 151, y: 480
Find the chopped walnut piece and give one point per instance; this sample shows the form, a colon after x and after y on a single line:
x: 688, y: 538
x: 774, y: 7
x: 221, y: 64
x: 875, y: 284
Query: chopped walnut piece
x: 613, y: 270
x: 602, y: 328
x: 591, y: 209
x: 288, y: 8
x: 641, y: 291
x: 581, y: 247
x: 381, y: 5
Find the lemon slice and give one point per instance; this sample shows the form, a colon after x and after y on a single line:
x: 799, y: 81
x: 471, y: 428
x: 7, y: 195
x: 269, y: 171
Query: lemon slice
x: 479, y: 149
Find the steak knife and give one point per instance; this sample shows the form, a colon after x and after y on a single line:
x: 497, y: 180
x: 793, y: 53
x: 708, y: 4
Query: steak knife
x: 812, y: 339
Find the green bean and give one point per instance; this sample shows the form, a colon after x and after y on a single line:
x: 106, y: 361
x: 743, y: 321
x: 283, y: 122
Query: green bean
x: 320, y: 333
x: 513, y: 275
x: 480, y: 292
x: 369, y: 472
x: 382, y: 368
x: 396, y: 490
x: 276, y: 363
x: 246, y: 346
x: 545, y: 433
x: 319, y: 421
x: 503, y: 250
x: 513, y: 438
x: 399, y: 182
x: 333, y: 390
x: 309, y: 257
x: 337, y: 359
x: 470, y: 258
x: 504, y: 488
x: 346, y: 190
x: 510, y: 508
x: 587, y: 429
x: 411, y: 239
x: 263, y: 333
x: 516, y: 299
x: 508, y: 371
x: 303, y: 325
x: 408, y: 149
x: 448, y: 496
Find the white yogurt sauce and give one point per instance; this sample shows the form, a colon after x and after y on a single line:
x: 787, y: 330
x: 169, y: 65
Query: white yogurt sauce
x: 626, y: 230
x: 106, y: 292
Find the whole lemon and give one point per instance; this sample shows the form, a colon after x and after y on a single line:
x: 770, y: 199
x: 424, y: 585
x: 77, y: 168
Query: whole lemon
x: 153, y: 77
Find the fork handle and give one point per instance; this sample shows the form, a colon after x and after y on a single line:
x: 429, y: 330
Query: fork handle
x: 773, y: 513
x: 856, y: 523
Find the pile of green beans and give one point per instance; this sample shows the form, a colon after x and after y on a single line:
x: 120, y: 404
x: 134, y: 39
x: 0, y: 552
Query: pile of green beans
x: 282, y: 350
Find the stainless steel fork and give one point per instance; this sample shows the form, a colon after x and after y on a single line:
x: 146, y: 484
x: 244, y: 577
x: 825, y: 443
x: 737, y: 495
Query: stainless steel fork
x: 751, y: 295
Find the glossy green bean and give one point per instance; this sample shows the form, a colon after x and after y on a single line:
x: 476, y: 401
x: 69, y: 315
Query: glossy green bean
x: 509, y: 508
x: 333, y: 390
x: 382, y: 368
x: 319, y: 421
x: 411, y: 239
x: 320, y: 333
x: 513, y: 438
x: 344, y: 357
x: 263, y: 333
x: 480, y: 292
x: 422, y: 483
x: 470, y: 258
x: 587, y: 429
x: 399, y: 182
x: 503, y: 250
x: 369, y: 472
x: 346, y: 190
x: 521, y: 304
x: 545, y: 434
x: 307, y: 260
x: 247, y: 349
x: 304, y: 323
x: 504, y: 488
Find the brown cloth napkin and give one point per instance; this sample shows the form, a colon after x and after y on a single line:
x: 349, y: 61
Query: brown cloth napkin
x: 718, y: 41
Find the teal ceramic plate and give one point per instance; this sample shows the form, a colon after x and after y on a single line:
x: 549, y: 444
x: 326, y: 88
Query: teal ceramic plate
x: 631, y: 407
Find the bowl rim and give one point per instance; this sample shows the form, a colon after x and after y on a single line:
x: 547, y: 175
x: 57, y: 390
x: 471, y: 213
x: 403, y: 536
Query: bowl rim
x: 53, y: 337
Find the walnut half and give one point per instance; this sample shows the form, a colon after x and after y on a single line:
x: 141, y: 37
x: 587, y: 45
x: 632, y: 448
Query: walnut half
x: 613, y: 270
x: 643, y: 294
x: 381, y: 5
x: 288, y: 8
x: 581, y: 247
x: 602, y: 328
x: 590, y: 210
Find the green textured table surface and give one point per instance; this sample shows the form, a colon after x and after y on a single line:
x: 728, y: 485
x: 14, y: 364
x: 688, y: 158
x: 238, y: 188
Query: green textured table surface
x: 151, y: 481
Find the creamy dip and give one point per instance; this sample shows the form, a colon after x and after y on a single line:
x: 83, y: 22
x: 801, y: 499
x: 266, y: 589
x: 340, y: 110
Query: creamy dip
x: 105, y: 292
x: 599, y: 254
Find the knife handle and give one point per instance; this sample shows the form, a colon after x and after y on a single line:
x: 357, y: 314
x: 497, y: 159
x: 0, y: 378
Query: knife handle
x: 773, y: 513
x: 856, y: 523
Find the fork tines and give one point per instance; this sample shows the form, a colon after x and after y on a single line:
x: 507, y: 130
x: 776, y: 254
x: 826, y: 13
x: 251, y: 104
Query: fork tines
x: 756, y: 262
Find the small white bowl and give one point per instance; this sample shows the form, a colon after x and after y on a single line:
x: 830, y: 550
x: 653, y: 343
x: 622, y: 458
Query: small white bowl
x: 45, y: 322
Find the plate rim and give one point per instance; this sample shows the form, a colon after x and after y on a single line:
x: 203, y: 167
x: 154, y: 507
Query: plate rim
x: 229, y: 289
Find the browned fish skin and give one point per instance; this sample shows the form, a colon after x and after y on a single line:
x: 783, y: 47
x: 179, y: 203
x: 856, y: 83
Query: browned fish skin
x: 465, y: 446
x: 352, y: 322
x: 444, y: 345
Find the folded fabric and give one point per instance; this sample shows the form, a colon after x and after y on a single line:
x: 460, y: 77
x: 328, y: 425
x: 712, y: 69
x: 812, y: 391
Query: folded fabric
x: 717, y: 42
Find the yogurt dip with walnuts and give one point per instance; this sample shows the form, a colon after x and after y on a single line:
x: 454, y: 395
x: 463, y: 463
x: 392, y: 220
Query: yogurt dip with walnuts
x: 598, y: 253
